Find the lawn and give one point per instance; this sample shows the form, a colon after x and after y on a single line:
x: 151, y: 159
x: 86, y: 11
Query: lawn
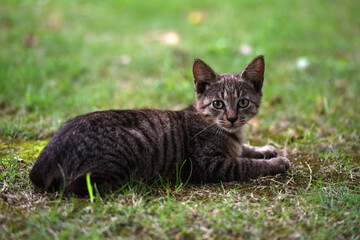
x: 60, y: 59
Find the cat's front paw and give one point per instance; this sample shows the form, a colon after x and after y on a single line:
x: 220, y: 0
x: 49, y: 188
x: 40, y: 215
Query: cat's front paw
x: 279, y: 165
x: 269, y: 151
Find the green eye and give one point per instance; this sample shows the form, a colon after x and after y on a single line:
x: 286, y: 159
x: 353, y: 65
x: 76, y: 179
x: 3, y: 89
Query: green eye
x: 243, y: 103
x: 218, y: 104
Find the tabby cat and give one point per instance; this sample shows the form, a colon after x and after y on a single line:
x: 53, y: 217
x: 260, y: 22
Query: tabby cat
x: 116, y: 145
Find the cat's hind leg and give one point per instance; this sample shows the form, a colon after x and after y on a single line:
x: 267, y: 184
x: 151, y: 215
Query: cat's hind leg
x: 105, y: 180
x: 103, y: 184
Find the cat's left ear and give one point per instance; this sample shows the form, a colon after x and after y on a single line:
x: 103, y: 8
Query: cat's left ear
x: 203, y: 75
x: 254, y: 72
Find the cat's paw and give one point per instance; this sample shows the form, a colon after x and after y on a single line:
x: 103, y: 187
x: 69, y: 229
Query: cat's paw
x: 269, y: 151
x: 279, y: 165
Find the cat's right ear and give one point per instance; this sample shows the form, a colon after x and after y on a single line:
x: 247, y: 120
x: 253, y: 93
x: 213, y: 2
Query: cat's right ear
x: 203, y: 75
x: 254, y: 72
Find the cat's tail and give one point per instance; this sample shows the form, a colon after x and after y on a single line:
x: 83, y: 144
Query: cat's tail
x: 50, y: 178
x: 45, y: 175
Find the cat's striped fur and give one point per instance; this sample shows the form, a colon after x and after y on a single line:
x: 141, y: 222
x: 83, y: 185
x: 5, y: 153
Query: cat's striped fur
x: 116, y: 145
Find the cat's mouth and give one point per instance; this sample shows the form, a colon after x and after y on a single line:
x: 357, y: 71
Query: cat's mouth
x: 232, y: 128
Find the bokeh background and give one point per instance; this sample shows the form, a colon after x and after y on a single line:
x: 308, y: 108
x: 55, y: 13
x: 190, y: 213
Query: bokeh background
x: 63, y: 58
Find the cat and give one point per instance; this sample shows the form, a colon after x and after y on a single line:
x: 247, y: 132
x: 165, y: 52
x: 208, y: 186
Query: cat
x: 117, y: 145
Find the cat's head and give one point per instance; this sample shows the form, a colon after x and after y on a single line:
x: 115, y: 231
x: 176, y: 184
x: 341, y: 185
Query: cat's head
x: 228, y: 100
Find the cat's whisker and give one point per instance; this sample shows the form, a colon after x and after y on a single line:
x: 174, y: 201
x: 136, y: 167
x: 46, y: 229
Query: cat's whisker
x: 212, y: 125
x: 219, y: 131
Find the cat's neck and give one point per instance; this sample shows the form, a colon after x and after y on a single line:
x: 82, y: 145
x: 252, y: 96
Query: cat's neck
x: 233, y: 142
x: 236, y: 135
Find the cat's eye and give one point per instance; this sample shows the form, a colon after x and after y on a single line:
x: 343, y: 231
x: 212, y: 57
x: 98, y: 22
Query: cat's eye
x: 243, y: 103
x: 218, y: 104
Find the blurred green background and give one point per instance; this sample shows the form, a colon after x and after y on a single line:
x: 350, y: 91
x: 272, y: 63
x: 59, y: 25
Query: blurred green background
x: 63, y: 58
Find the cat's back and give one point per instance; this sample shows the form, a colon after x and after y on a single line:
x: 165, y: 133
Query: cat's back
x: 115, y: 122
x: 145, y: 139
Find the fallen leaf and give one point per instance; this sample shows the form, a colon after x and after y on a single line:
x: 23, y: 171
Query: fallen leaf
x: 17, y: 158
x: 195, y: 17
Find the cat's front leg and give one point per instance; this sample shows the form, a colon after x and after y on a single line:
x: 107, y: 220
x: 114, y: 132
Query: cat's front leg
x: 264, y: 152
x: 216, y: 169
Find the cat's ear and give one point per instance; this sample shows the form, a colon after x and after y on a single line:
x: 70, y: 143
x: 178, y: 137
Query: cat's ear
x: 254, y: 72
x: 203, y: 75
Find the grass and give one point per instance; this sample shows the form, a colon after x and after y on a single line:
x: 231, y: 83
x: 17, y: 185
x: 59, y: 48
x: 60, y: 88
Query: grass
x: 65, y: 58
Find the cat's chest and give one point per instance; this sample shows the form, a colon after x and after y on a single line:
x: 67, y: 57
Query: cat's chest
x: 233, y: 145
x: 234, y: 148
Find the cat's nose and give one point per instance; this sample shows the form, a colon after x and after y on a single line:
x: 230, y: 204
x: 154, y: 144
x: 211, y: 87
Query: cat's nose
x: 232, y: 119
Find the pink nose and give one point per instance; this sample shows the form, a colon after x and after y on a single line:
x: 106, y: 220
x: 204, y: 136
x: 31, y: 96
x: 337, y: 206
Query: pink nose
x: 232, y: 119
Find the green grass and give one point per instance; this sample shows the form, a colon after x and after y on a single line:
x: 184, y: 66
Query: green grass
x: 60, y: 59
